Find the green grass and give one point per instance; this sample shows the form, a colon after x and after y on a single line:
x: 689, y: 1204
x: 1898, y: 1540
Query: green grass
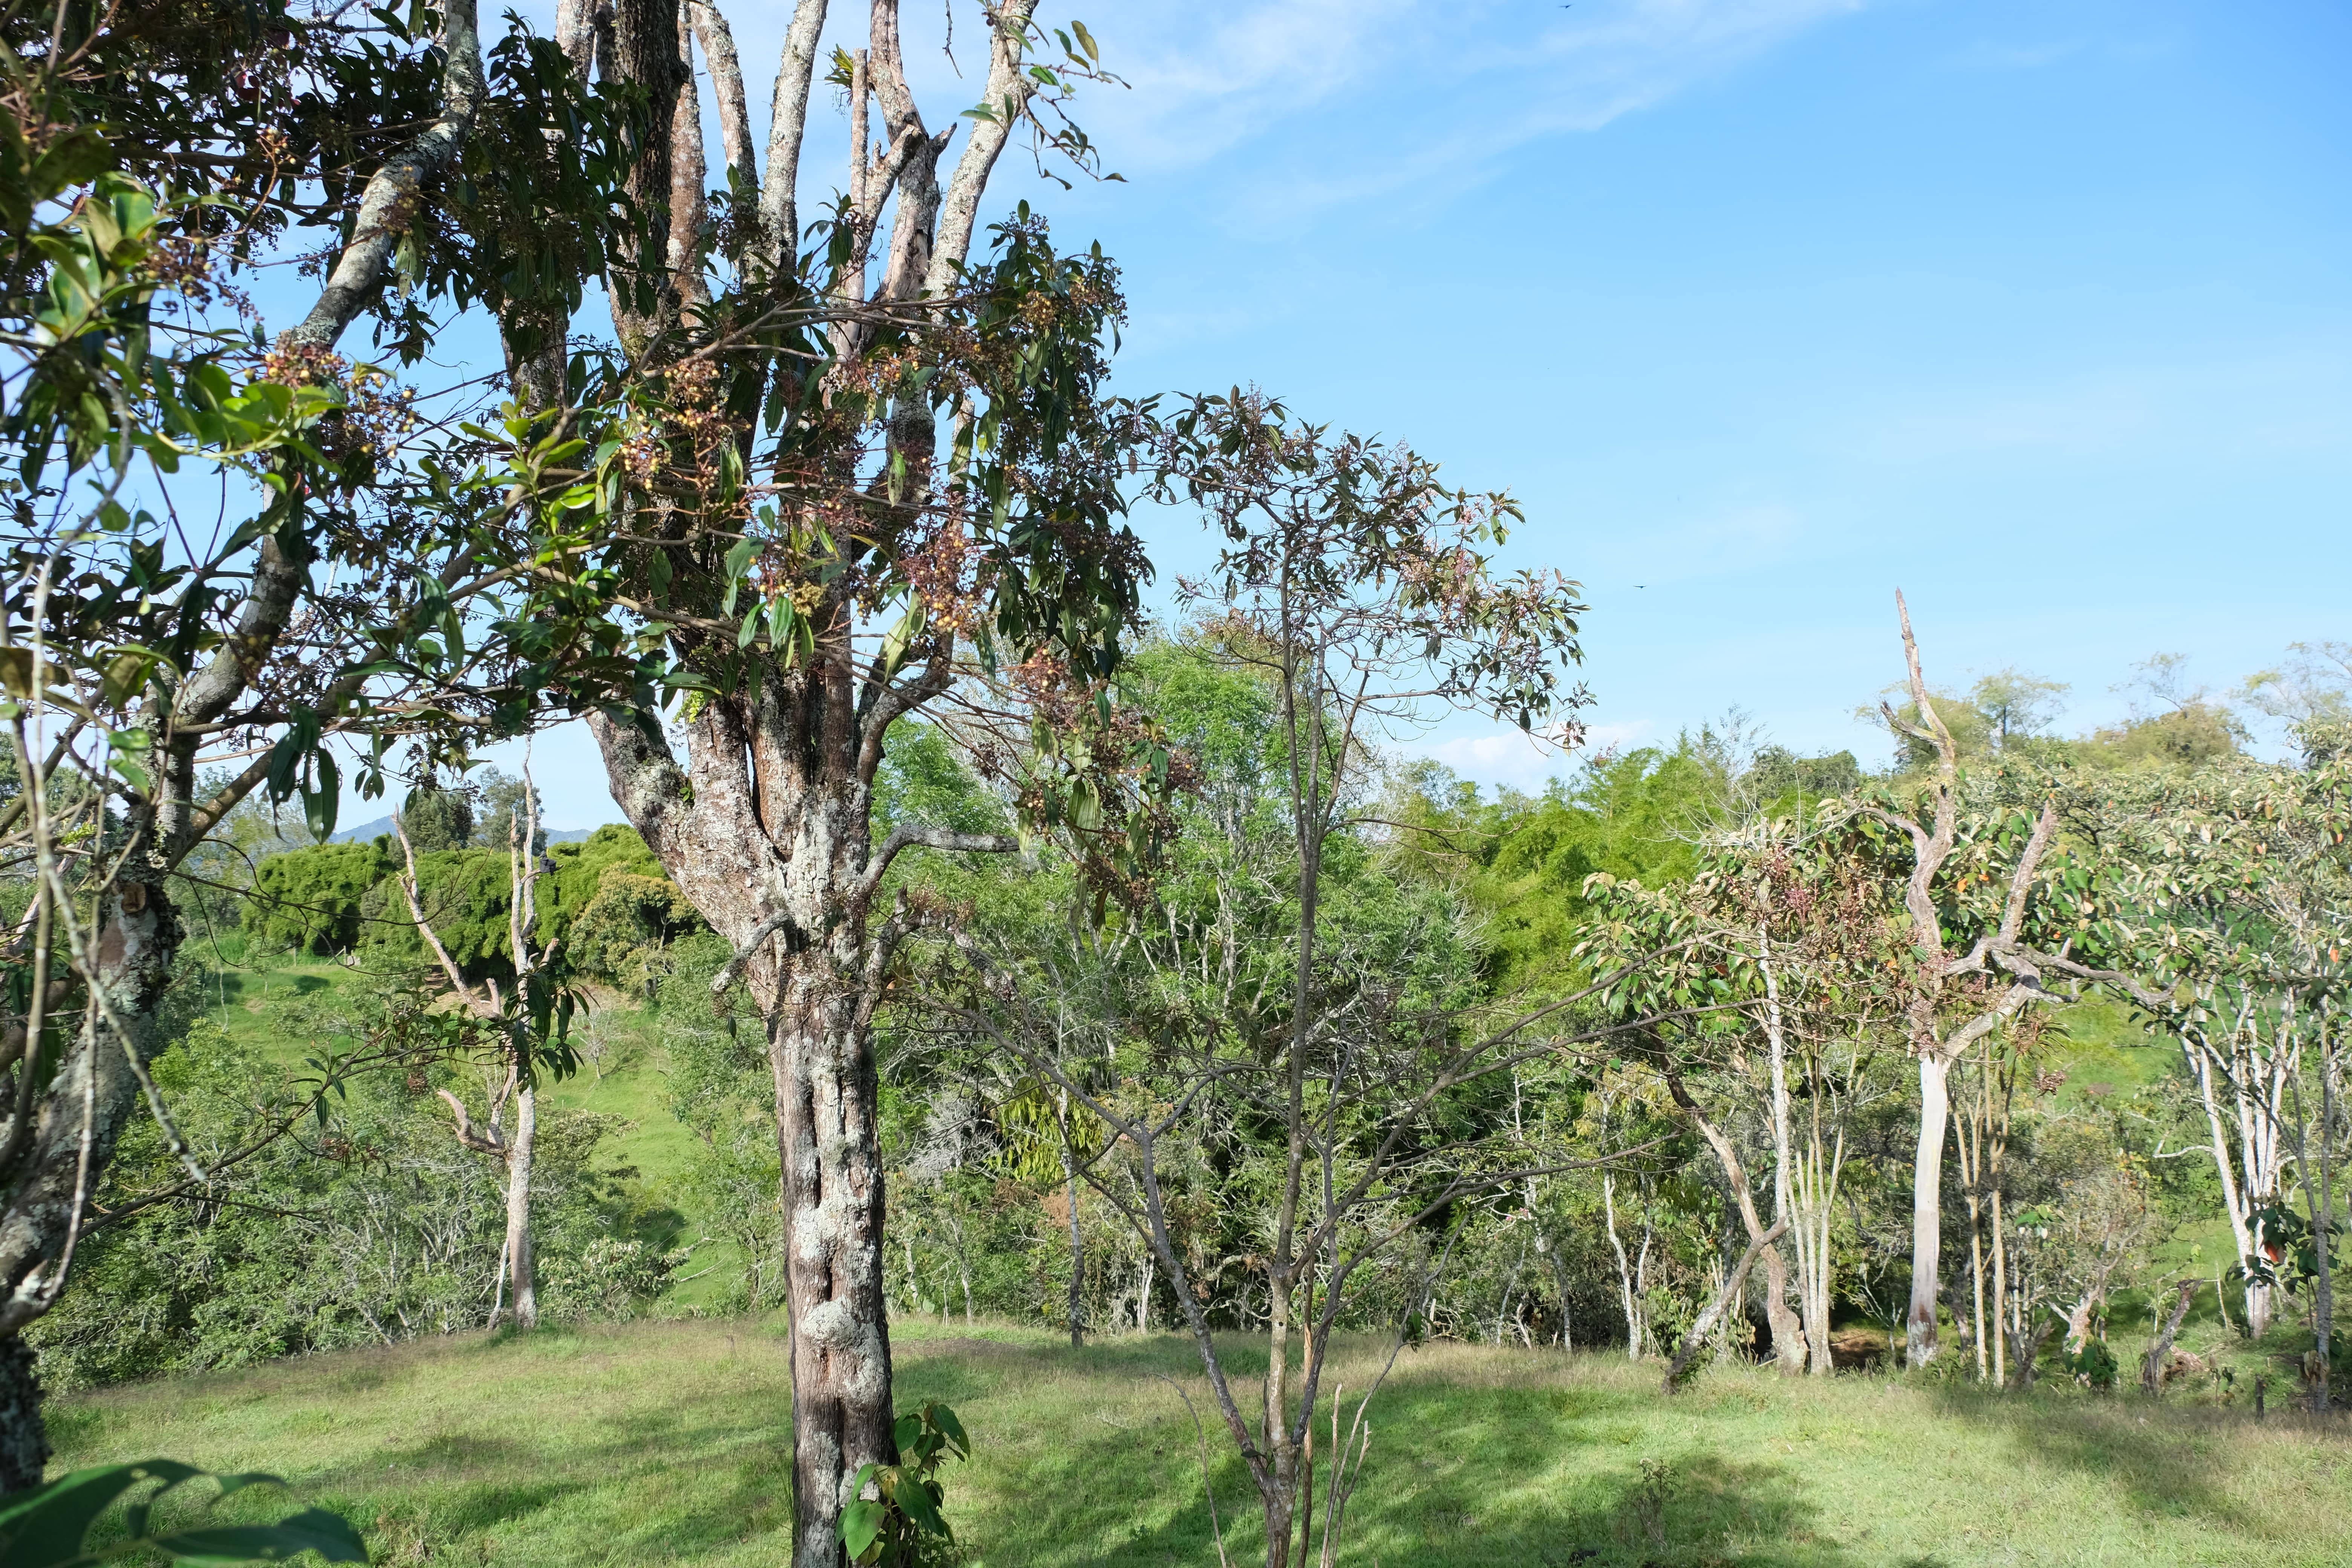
x: 667, y: 1442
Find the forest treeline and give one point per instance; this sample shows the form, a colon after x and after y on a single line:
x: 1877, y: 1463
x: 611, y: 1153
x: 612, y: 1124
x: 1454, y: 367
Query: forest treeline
x: 1002, y: 946
x: 1443, y: 902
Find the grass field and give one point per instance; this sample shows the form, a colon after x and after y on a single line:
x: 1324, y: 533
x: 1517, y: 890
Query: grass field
x: 666, y: 1443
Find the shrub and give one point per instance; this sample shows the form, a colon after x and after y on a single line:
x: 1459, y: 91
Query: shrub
x: 311, y: 901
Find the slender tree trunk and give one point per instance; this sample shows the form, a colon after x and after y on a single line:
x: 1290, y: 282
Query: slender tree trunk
x: 1078, y: 1307
x: 2323, y: 1230
x: 1789, y: 1344
x: 1927, y: 1209
x: 1971, y: 1170
x: 2151, y: 1366
x: 2237, y: 1201
x: 522, y: 1267
x: 1281, y: 1492
x: 1999, y: 1295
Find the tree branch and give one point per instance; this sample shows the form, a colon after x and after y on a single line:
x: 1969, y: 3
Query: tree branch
x: 1008, y: 91
x: 388, y: 204
x: 907, y: 836
x: 787, y: 122
x: 711, y: 31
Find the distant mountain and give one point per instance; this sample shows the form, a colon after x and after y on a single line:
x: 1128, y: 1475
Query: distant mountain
x: 383, y: 825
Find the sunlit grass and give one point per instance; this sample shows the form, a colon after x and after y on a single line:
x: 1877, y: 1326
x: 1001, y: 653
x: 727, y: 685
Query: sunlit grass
x: 667, y: 1442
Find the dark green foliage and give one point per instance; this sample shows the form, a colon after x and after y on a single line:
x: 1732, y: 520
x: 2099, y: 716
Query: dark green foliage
x: 2095, y: 1363
x: 311, y: 901
x: 614, y: 910
x: 606, y: 900
x: 1523, y: 860
x: 466, y: 895
x: 438, y: 819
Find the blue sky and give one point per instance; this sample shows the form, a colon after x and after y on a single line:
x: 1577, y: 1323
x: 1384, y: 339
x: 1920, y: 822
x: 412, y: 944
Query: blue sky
x: 1763, y: 309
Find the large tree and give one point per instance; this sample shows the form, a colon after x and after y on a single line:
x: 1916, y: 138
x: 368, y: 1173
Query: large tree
x: 752, y: 553
x: 162, y: 664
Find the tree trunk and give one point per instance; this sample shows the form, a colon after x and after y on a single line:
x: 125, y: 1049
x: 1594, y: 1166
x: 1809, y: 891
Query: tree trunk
x: 24, y: 1440
x: 1999, y: 1294
x: 1927, y: 1209
x: 1280, y: 1492
x: 2323, y: 1230
x: 1757, y: 1246
x: 2078, y: 1322
x: 1627, y: 1296
x: 1788, y: 1330
x: 76, y: 1123
x: 522, y: 1267
x: 828, y: 1135
x: 1788, y: 1343
x: 1788, y: 1335
x: 2236, y: 1203
x: 769, y: 855
x: 2151, y: 1366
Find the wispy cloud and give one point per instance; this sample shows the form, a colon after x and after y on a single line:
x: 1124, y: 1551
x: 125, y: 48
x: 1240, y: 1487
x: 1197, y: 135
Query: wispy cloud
x: 1447, y: 89
x: 2010, y: 57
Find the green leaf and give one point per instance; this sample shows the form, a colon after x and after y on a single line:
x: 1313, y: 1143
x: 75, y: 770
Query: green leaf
x: 46, y: 1526
x: 319, y: 804
x: 914, y: 1500
x: 1087, y: 40
x: 945, y: 1419
x: 738, y: 559
x: 861, y: 1528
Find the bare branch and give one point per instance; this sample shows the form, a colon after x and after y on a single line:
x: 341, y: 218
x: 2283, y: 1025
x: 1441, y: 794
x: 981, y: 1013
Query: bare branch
x: 480, y: 1141
x: 2021, y: 883
x: 711, y: 31
x: 787, y: 122
x: 1007, y: 100
x: 479, y: 1006
x: 908, y: 835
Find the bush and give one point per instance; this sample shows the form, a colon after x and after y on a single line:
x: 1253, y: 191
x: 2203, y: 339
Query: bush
x: 607, y: 1279
x: 311, y: 901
